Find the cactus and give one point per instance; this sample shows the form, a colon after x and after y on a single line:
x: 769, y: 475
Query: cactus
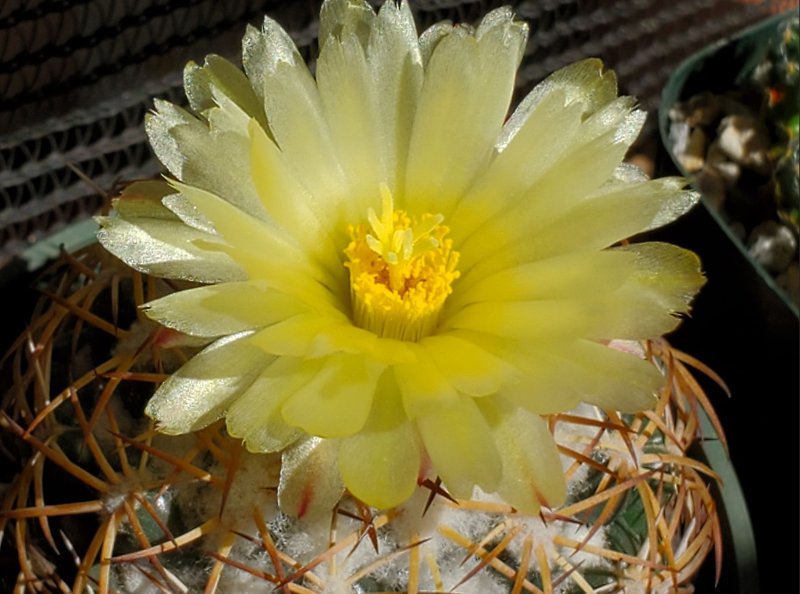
x: 103, y: 503
x: 379, y: 386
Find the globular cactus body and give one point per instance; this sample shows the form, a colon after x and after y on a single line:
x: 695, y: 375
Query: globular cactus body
x: 103, y: 503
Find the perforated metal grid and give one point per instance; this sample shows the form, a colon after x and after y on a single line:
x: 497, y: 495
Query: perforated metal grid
x: 77, y: 76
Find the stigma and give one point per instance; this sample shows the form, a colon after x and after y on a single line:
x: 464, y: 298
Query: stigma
x: 401, y: 271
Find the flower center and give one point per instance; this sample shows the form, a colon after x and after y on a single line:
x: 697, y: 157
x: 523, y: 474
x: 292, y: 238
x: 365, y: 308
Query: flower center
x: 401, y: 271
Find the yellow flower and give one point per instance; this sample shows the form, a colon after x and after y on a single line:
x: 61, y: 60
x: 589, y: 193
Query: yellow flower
x: 398, y: 277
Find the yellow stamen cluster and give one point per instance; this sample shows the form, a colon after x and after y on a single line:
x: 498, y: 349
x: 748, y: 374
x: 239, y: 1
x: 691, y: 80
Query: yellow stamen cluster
x: 401, y: 272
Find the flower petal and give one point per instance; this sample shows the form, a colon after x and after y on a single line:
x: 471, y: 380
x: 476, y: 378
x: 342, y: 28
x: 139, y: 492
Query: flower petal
x: 200, y: 392
x: 380, y: 464
x: 339, y: 19
x: 287, y: 202
x: 350, y: 103
x: 465, y: 96
x: 295, y: 115
x: 309, y: 485
x: 217, y: 310
x: 314, y: 335
x: 538, y: 134
x: 218, y: 77
x: 460, y: 444
x: 213, y: 160
x: 584, y: 83
x: 532, y: 471
x: 561, y: 376
x: 256, y: 415
x: 423, y: 386
x: 589, y: 162
x: 564, y: 276
x: 612, y: 213
x: 663, y: 281
x: 467, y: 367
x: 395, y: 63
x: 337, y: 400
x: 430, y: 38
x: 182, y: 208
x: 263, y: 250
x: 262, y: 50
x: 671, y: 274
x: 151, y: 239
x: 528, y: 320
x: 547, y: 134
x: 632, y: 292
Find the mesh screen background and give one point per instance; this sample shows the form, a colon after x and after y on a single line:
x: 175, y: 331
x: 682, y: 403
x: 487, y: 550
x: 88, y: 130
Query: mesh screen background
x: 77, y: 76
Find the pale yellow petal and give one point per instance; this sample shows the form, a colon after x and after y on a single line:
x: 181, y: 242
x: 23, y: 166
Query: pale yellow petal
x: 579, y: 172
x: 158, y: 125
x: 613, y: 214
x: 603, y: 369
x: 663, y: 281
x: 345, y: 18
x: 628, y: 173
x: 461, y: 446
x: 295, y: 115
x: 316, y: 295
x: 215, y: 161
x: 395, y: 63
x: 151, y: 239
x: 423, y: 386
x: 262, y: 250
x: 465, y: 365
x: 607, y: 216
x: 548, y: 132
x: 309, y: 485
x: 584, y: 84
x: 465, y: 97
x: 288, y: 202
x: 256, y: 417
x: 566, y: 276
x: 228, y: 119
x: 337, y: 400
x: 561, y: 376
x: 217, y: 77
x: 431, y: 37
x: 291, y: 337
x: 183, y: 208
x: 342, y: 336
x: 394, y: 352
x: 636, y: 292
x: 532, y: 471
x: 201, y: 391
x: 536, y: 136
x: 380, y: 464
x: 142, y: 199
x: 621, y: 115
x: 314, y: 335
x: 671, y: 276
x: 350, y: 105
x: 262, y: 49
x: 554, y: 375
x: 222, y: 309
x: 165, y: 249
x: 546, y: 318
